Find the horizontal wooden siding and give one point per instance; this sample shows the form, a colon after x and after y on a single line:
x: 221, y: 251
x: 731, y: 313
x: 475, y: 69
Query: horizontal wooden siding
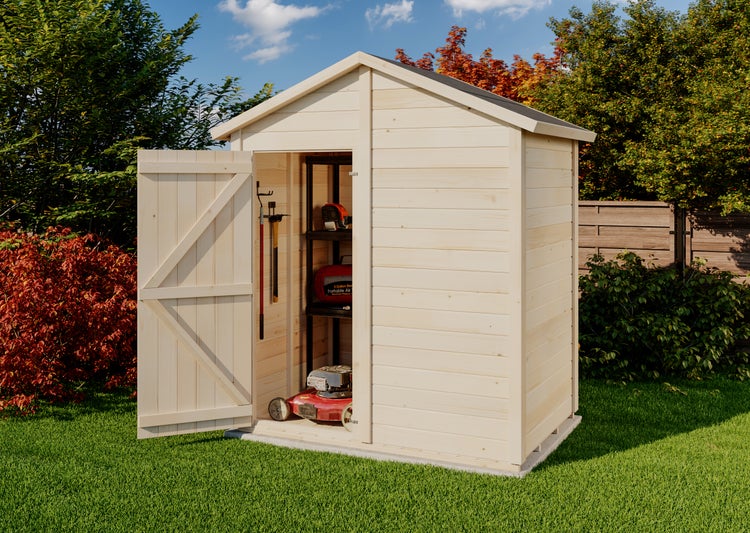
x: 440, y: 275
x: 327, y: 119
x: 550, y: 282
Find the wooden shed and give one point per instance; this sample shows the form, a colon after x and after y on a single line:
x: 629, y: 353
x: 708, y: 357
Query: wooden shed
x: 462, y: 331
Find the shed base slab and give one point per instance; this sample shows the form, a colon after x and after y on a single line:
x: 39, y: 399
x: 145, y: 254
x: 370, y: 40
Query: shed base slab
x: 305, y: 435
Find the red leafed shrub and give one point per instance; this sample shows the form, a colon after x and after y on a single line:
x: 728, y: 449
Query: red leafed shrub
x: 67, y: 317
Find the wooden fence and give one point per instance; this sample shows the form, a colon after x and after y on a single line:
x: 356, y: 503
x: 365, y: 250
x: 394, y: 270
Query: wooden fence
x: 663, y: 235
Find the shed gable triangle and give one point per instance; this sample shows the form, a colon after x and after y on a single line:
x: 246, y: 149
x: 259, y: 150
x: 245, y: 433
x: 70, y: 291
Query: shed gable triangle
x: 463, y: 94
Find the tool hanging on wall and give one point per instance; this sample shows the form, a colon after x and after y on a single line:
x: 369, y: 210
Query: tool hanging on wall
x: 274, y: 218
x: 260, y: 276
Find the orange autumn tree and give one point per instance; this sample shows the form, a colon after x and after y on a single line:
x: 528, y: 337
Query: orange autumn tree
x: 516, y: 81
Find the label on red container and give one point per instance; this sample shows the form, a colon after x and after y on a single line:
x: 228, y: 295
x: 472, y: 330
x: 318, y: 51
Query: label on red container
x: 333, y: 284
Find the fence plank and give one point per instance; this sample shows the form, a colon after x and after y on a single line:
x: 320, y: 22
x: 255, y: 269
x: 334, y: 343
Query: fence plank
x: 647, y: 228
x: 607, y: 228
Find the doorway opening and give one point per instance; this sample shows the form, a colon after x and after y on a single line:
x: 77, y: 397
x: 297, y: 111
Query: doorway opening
x: 308, y: 323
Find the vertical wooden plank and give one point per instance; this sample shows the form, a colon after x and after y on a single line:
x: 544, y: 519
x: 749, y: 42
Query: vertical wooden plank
x: 292, y: 194
x: 689, y: 241
x: 257, y: 344
x: 148, y: 333
x: 297, y: 230
x: 206, y: 313
x: 574, y: 294
x: 680, y: 225
x: 243, y: 223
x: 148, y: 366
x: 517, y: 291
x: 255, y: 308
x: 235, y: 141
x: 362, y: 263
x: 167, y: 214
x: 676, y: 251
x: 148, y: 195
x: 243, y: 272
x: 185, y: 272
x: 224, y: 268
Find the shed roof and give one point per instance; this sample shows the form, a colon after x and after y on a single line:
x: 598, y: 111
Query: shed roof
x: 463, y: 94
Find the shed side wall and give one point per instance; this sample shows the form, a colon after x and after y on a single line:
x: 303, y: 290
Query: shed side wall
x: 440, y: 275
x: 550, y: 286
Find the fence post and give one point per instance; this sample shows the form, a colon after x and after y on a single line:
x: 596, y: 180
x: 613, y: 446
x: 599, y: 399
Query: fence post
x: 680, y: 232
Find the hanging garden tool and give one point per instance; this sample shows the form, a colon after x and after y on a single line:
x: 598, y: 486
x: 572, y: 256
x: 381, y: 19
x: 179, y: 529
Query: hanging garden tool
x: 260, y: 277
x: 274, y: 218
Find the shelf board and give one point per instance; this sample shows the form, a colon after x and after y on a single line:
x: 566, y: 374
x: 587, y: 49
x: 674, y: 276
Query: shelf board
x: 328, y: 310
x: 339, y: 235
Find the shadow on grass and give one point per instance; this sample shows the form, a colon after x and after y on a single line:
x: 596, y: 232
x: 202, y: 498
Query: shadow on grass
x: 115, y: 402
x: 618, y: 417
x: 204, y: 440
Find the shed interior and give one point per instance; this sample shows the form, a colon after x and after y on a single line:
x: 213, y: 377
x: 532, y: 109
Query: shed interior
x: 300, y: 333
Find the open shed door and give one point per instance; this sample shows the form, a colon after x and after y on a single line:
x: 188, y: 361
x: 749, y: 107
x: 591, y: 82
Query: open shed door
x: 195, y: 265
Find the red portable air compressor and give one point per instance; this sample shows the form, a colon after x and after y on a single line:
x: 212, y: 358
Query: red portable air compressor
x: 333, y: 284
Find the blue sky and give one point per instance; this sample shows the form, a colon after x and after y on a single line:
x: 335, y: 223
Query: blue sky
x: 286, y: 41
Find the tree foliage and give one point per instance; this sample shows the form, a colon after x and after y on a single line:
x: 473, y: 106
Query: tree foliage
x: 668, y: 96
x: 516, y: 81
x: 697, y: 152
x: 67, y: 317
x: 83, y: 84
x: 617, y: 73
x: 667, y: 93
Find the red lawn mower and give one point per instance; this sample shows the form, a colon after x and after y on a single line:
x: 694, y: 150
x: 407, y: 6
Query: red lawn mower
x: 328, y: 398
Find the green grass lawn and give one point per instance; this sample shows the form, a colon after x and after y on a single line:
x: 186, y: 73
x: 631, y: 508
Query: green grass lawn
x: 647, y: 457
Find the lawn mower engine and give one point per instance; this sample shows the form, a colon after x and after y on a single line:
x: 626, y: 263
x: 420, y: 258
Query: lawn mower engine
x: 328, y: 398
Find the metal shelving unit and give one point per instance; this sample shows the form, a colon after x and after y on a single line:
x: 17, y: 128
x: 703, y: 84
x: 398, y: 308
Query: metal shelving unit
x: 316, y: 308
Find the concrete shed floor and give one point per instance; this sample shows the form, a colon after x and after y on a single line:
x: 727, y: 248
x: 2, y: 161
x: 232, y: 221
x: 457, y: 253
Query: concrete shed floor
x: 307, y: 435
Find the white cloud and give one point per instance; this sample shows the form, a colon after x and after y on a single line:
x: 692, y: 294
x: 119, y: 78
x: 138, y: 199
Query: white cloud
x: 513, y: 8
x: 386, y: 15
x: 269, y: 23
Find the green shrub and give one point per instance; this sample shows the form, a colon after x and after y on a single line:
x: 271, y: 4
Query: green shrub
x: 640, y: 322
